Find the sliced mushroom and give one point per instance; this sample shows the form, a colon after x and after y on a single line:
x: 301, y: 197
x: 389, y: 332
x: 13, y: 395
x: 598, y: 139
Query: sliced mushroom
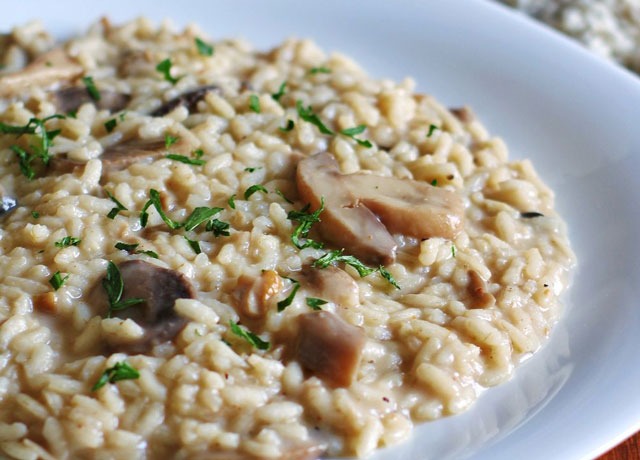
x: 355, y: 205
x: 70, y: 99
x: 7, y: 202
x: 159, y: 287
x: 464, y: 114
x: 332, y: 284
x: 50, y: 68
x: 329, y: 347
x: 189, y: 100
x: 254, y: 294
x: 477, y: 289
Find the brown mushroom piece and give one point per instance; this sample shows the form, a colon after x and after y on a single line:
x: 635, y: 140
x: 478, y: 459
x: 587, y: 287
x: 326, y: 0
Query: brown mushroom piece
x: 255, y: 294
x: 72, y: 98
x: 48, y: 69
x: 329, y: 347
x: 159, y: 288
x: 477, y: 289
x: 332, y: 284
x: 362, y: 210
x: 189, y: 99
x: 7, y: 202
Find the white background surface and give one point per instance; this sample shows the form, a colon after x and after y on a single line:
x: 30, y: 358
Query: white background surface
x: 577, y: 117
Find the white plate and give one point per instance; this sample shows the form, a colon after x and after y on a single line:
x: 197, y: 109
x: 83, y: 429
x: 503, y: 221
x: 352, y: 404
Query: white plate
x: 577, y: 117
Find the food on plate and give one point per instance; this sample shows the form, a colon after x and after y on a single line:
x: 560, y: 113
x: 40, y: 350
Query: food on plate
x: 212, y: 251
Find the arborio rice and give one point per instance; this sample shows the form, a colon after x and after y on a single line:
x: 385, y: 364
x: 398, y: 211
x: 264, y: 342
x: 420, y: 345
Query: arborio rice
x: 242, y: 330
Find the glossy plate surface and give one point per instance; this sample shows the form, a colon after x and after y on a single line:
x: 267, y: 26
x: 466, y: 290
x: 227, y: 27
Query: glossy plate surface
x: 575, y: 116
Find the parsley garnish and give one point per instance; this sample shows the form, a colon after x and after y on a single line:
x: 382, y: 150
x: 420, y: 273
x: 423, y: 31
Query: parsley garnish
x: 453, y: 250
x: 307, y: 115
x: 315, y: 303
x: 232, y: 201
x: 531, y: 214
x: 68, y: 241
x: 434, y: 182
x: 114, y: 286
x: 56, y: 281
x: 353, y: 132
x: 281, y: 90
x: 120, y: 371
x: 218, y: 227
x: 279, y: 192
x: 197, y: 153
x: 289, y: 299
x: 195, y: 245
x: 119, y: 207
x: 432, y: 128
x: 186, y: 160
x: 315, y: 70
x: 154, y: 199
x: 253, y: 189
x: 250, y: 337
x: 254, y: 103
x: 200, y: 215
x: 306, y: 220
x: 35, y: 214
x: 91, y: 88
x: 252, y: 169
x: 204, y: 49
x: 110, y: 125
x: 132, y: 249
x: 164, y: 68
x: 290, y: 125
x: 122, y: 116
x: 337, y: 256
x: 169, y: 140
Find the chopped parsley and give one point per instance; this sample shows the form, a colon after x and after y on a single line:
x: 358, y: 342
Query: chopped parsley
x: 315, y: 303
x: 204, y: 49
x: 35, y: 214
x: 281, y: 91
x: 68, y: 241
x: 132, y: 248
x: 353, y: 132
x: 289, y: 299
x: 120, y: 371
x: 288, y: 127
x: 198, y: 153
x: 434, y: 182
x: 253, y: 189
x: 531, y: 215
x: 195, y: 245
x: 453, y: 250
x: 254, y: 103
x: 186, y: 160
x: 200, y: 215
x: 164, y: 67
x: 316, y: 70
x: 91, y: 88
x: 252, y: 169
x: 122, y: 116
x: 307, y: 115
x: 110, y: 125
x: 169, y: 140
x: 249, y: 336
x: 218, y: 227
x: 119, y: 207
x: 337, y: 256
x: 279, y: 193
x: 56, y: 281
x: 305, y: 221
x: 114, y: 286
x: 154, y: 200
x: 232, y: 201
x: 432, y: 128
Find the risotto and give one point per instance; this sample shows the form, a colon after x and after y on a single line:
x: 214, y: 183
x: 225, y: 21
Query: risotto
x: 208, y: 251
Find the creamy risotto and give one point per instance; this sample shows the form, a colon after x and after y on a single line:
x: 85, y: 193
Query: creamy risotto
x: 208, y: 251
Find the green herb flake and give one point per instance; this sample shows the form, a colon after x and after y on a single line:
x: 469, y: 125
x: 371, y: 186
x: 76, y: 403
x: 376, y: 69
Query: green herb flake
x: 120, y: 371
x: 39, y: 149
x: 72, y: 113
x: 67, y: 241
x: 35, y: 214
x: 185, y: 160
x: 289, y: 299
x: 232, y: 201
x: 252, y: 169
x: 91, y: 88
x: 254, y: 103
x: 195, y: 245
x: 129, y: 247
x: 353, y: 132
x: 114, y: 286
x: 315, y: 303
x: 307, y: 115
x: 281, y: 92
x: 288, y: 127
x: 200, y: 215
x: 154, y: 200
x: 317, y: 70
x: 253, y: 189
x: 122, y: 116
x: 218, y: 227
x: 249, y: 336
x: 204, y: 49
x: 119, y: 207
x: 337, y: 256
x: 305, y: 220
x: 281, y: 195
x: 434, y: 182
x: 197, y: 153
x: 56, y: 281
x: 169, y: 140
x: 453, y: 250
x: 386, y: 275
x: 110, y: 125
x: 432, y: 129
x: 164, y: 67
